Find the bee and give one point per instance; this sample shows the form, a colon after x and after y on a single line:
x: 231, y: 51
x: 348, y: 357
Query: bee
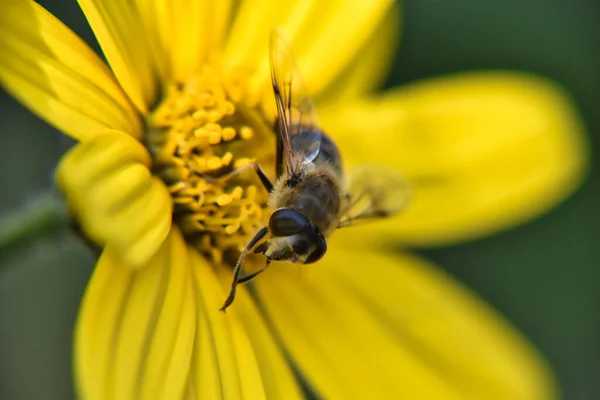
x: 311, y: 197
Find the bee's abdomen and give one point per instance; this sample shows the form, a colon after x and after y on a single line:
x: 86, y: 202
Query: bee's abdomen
x: 328, y: 151
x: 319, y: 200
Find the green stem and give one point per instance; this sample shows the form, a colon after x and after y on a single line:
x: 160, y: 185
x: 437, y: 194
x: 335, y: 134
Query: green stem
x: 35, y: 219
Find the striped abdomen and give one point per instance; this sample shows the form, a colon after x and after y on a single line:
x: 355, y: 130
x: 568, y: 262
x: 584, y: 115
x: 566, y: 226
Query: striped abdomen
x: 318, y: 195
x: 328, y: 151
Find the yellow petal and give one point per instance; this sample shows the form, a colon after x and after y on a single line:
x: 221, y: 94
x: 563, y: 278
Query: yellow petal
x: 324, y: 36
x: 198, y: 27
x: 53, y: 72
x: 371, y: 65
x: 121, y: 33
x: 254, y: 20
x: 362, y: 324
x: 153, y: 15
x: 184, y: 33
x: 236, y: 356
x: 167, y: 366
x: 112, y: 193
x: 136, y: 329
x: 482, y: 152
x: 325, y: 52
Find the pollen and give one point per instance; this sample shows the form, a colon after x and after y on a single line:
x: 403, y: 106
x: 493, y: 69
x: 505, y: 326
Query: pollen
x: 201, y: 135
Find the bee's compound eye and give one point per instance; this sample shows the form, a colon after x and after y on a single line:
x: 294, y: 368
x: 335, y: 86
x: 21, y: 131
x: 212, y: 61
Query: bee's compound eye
x: 287, y: 222
x: 318, y: 252
x: 301, y: 246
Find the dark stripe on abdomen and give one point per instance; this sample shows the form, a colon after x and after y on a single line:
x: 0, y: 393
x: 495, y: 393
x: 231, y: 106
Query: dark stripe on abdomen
x: 317, y: 200
x: 328, y: 152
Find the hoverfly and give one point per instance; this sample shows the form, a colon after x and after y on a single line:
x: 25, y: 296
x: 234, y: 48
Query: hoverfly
x: 311, y: 196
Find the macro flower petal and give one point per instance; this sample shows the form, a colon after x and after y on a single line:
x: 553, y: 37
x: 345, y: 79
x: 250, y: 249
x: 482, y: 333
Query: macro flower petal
x: 136, y: 328
x: 236, y: 356
x: 370, y: 65
x: 187, y: 31
x: 53, y: 72
x: 481, y: 152
x: 122, y: 35
x: 112, y: 193
x: 248, y: 38
x: 343, y: 33
x: 362, y: 324
x: 325, y: 36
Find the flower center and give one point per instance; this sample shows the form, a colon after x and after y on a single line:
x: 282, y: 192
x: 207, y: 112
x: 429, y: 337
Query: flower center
x: 201, y: 136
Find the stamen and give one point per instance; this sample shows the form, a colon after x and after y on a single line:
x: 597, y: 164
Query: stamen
x: 198, y: 135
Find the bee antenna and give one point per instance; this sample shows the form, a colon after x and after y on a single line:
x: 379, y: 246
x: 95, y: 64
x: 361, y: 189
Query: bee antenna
x: 238, y: 266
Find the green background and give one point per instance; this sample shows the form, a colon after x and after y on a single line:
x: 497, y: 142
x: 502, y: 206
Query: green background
x: 544, y: 276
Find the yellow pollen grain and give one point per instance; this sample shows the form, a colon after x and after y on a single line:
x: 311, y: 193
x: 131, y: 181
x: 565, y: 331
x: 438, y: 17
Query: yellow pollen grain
x: 231, y: 229
x: 246, y: 133
x: 227, y: 158
x: 224, y: 199
x: 213, y: 127
x: 200, y: 132
x: 228, y: 108
x: 237, y: 192
x: 228, y: 133
x: 183, y: 200
x: 214, y: 163
x: 214, y: 137
x: 242, y: 162
x: 176, y: 187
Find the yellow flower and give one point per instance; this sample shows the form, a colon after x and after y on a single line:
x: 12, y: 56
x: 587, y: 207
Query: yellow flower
x: 183, y: 95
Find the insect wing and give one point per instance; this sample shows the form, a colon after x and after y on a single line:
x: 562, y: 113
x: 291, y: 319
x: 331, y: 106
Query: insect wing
x: 294, y: 109
x: 374, y: 192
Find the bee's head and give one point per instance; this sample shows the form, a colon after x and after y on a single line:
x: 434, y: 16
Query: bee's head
x: 303, y: 240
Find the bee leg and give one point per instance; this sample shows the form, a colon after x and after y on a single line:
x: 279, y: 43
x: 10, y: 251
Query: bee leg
x: 261, y: 175
x: 263, y: 178
x: 254, y: 274
x: 238, y: 266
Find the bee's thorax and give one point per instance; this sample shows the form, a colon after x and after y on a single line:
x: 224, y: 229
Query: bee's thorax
x: 317, y: 196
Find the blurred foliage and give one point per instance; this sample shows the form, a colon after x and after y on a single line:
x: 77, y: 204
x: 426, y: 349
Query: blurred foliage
x: 543, y: 276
